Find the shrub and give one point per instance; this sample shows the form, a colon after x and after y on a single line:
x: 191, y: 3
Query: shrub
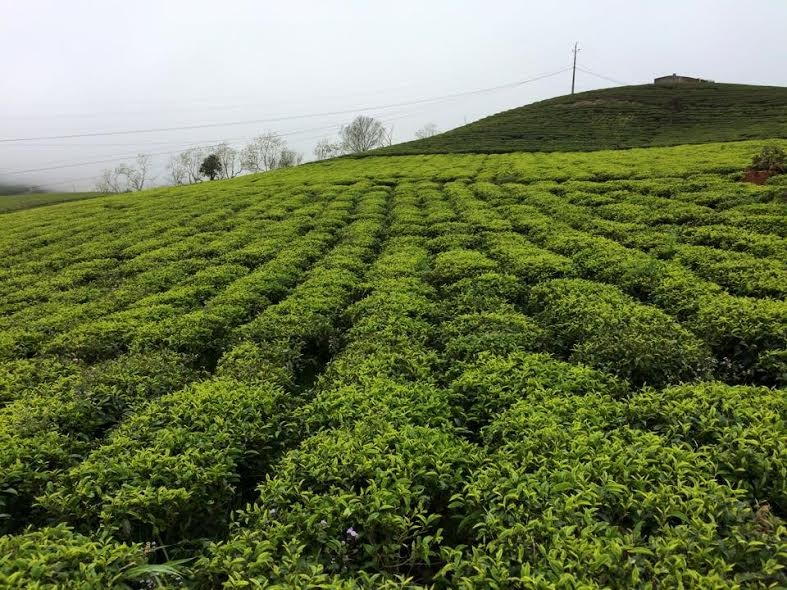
x: 348, y: 504
x: 250, y: 364
x: 501, y: 332
x: 484, y: 292
x: 56, y: 557
x: 770, y: 158
x: 173, y: 469
x: 745, y: 334
x: 454, y: 265
x: 739, y: 273
x: 419, y: 377
x: 53, y: 428
x: 419, y: 403
x: 742, y: 429
x: 494, y: 383
x: 613, y: 506
x: 527, y: 261
x: 598, y: 325
x: 21, y: 377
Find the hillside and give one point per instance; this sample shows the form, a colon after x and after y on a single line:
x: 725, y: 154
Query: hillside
x: 28, y: 200
x: 444, y: 371
x: 625, y: 117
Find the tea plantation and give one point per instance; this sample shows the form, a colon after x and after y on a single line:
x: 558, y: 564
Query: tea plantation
x: 520, y: 370
x: 28, y: 200
x: 623, y: 117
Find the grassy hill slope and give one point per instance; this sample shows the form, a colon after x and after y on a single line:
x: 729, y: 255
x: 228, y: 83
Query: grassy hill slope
x: 630, y: 116
x: 28, y: 200
x: 438, y: 371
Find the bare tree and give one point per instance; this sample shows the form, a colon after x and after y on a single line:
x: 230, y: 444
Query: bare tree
x: 185, y: 166
x: 123, y: 174
x: 327, y: 148
x: 363, y: 134
x: 289, y: 158
x: 178, y: 173
x: 428, y: 130
x: 229, y: 159
x: 388, y: 139
x: 110, y: 181
x: 125, y: 178
x: 263, y: 153
x: 137, y: 175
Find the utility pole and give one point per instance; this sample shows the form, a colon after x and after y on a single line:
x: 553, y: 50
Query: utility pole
x: 574, y: 71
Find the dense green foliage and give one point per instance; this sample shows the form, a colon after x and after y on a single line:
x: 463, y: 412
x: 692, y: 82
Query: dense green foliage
x: 27, y: 200
x: 623, y: 117
x: 12, y: 189
x: 456, y: 371
x: 211, y: 167
x: 771, y: 158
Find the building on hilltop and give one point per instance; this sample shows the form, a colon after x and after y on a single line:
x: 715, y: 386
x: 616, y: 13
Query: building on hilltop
x: 675, y: 79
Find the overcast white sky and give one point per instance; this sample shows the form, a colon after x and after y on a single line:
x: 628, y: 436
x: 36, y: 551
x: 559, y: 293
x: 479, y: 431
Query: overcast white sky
x: 79, y: 66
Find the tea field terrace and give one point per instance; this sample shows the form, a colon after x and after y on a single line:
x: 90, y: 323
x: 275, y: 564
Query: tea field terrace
x: 449, y: 371
x: 646, y: 115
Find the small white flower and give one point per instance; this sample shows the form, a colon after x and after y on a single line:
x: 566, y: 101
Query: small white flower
x: 272, y: 511
x: 351, y: 532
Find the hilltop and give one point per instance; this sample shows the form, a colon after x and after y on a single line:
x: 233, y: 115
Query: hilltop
x: 625, y: 117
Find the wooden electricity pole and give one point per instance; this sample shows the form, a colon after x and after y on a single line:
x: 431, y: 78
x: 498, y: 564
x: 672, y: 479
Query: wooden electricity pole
x: 574, y: 70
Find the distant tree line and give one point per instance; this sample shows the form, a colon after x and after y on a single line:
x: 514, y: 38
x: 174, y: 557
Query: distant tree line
x: 125, y: 177
x: 268, y: 151
x: 265, y: 152
x: 361, y: 135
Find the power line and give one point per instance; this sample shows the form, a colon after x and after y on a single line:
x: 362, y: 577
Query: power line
x: 423, y: 101
x: 204, y: 144
x: 167, y: 153
x: 147, y: 144
x: 285, y: 134
x: 195, y: 104
x: 607, y: 78
x: 288, y: 117
x: 182, y: 146
x: 144, y: 144
x: 96, y: 176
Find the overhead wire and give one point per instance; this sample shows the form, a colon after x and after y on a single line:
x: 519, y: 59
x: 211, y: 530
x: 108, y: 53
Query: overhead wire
x: 286, y: 117
x: 170, y: 152
x: 603, y: 77
x: 183, y: 146
x: 276, y: 119
x: 178, y: 105
x: 145, y: 144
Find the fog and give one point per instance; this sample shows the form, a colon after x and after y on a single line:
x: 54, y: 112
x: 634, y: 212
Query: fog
x: 80, y: 67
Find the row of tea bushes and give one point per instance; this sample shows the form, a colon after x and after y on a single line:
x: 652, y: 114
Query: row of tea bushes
x: 175, y: 469
x: 746, y: 335
x: 342, y: 501
x: 587, y: 485
x: 438, y: 372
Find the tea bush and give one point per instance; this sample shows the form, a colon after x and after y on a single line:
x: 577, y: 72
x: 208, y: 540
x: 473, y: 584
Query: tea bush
x: 598, y: 325
x: 462, y: 371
